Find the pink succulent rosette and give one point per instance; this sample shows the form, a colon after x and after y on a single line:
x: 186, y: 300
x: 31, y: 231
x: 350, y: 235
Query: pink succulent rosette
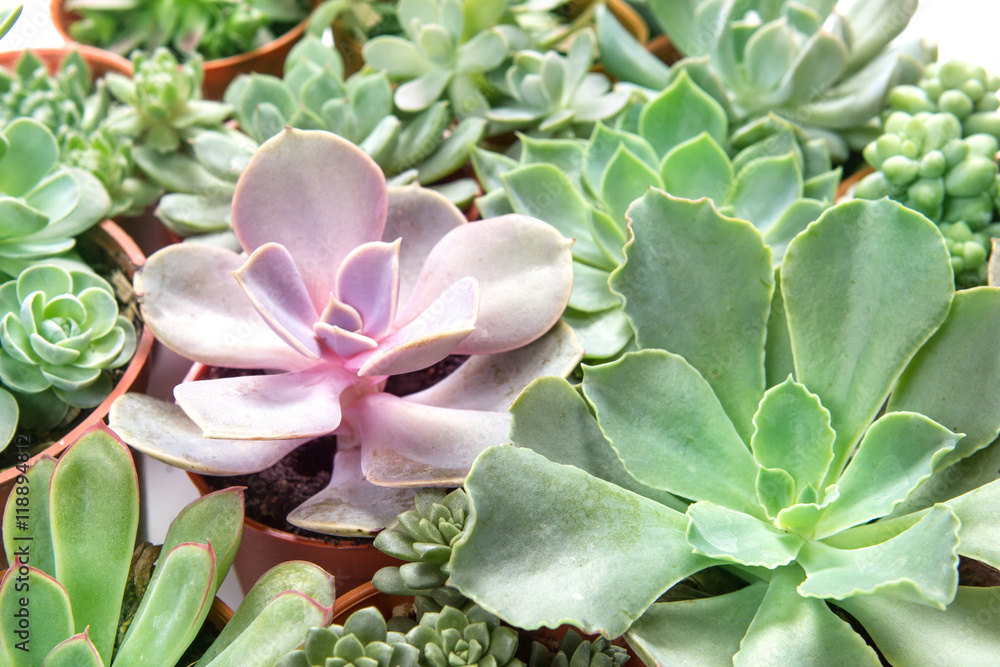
x: 342, y: 285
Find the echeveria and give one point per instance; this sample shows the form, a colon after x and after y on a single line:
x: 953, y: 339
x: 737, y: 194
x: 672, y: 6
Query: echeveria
x: 455, y: 638
x: 363, y: 640
x: 345, y: 285
x: 92, y: 602
x: 749, y: 433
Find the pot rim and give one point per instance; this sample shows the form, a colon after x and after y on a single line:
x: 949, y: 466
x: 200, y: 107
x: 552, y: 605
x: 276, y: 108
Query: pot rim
x: 142, y: 350
x: 111, y: 62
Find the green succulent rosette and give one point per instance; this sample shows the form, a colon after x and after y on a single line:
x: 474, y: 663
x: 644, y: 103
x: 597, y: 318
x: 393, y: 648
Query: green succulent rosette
x: 60, y: 332
x: 362, y: 641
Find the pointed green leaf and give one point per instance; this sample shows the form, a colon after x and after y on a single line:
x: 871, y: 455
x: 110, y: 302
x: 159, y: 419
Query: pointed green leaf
x: 864, y: 287
x: 625, y: 58
x: 697, y: 168
x: 34, y: 514
x: 764, y: 189
x: 572, y: 526
x: 591, y: 293
x: 682, y: 112
x: 977, y: 510
x: 625, y: 179
x: 77, y: 651
x: 735, y: 537
x: 778, y: 361
x: 17, y: 219
x: 602, y: 146
x: 790, y: 223
x: 670, y: 431
x: 713, y: 276
x: 604, y: 335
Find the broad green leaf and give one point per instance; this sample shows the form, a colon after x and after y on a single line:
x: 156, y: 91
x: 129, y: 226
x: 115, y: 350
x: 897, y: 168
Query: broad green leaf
x: 604, y: 335
x: 178, y: 173
x: 769, y: 54
x: 682, y: 112
x: 792, y: 433
x: 696, y: 633
x: 735, y: 537
x: 764, y: 189
x: 670, y: 431
x: 792, y: 630
x: 31, y: 153
x: 790, y: 223
x: 216, y: 519
x: 602, y: 146
x: 544, y: 192
x: 264, y: 88
x: 778, y: 361
x: 17, y: 219
x: 94, y: 571
x: 90, y: 207
x: 608, y: 234
x: 551, y: 418
x: 306, y: 578
x: 489, y: 166
x: 453, y: 153
x: 823, y: 187
x: 29, y: 525
x: 279, y: 629
x: 418, y: 137
x: 565, y: 154
x: 173, y: 608
x: 9, y: 413
x: 897, y: 453
x: 77, y: 651
x: 864, y: 287
x: 908, y: 633
x: 699, y: 285
x: 977, y: 510
x: 591, y: 293
x: 919, y: 565
x: 967, y: 475
x: 775, y: 490
x: 48, y: 617
x: 819, y: 62
x: 188, y: 215
x: 625, y: 179
x: 625, y: 58
x: 588, y: 552
x: 697, y: 168
x: 955, y: 377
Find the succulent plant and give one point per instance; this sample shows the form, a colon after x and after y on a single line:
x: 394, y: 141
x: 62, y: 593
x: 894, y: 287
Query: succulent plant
x: 966, y: 91
x: 448, y: 46
x: 762, y: 448
x: 453, y: 638
x: 363, y: 641
x: 60, y: 332
x: 189, y: 27
x: 552, y: 92
x: 331, y: 254
x: 91, y: 603
x: 7, y: 18
x: 585, y: 188
x: 828, y: 72
x: 424, y: 538
x: 44, y: 205
x: 923, y: 162
x: 579, y: 652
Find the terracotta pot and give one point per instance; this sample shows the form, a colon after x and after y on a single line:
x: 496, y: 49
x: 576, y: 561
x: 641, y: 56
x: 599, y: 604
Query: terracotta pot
x: 369, y: 596
x: 123, y: 253
x: 100, y: 61
x: 219, y: 615
x: 630, y: 19
x: 664, y: 49
x: 846, y: 186
x: 267, y: 59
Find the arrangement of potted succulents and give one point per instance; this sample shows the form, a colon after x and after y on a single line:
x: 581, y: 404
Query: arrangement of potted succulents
x: 569, y: 353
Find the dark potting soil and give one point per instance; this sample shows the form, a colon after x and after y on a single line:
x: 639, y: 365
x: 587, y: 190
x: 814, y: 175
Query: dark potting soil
x: 273, y: 493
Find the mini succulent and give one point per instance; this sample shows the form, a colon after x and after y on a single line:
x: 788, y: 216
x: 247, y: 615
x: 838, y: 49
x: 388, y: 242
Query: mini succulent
x: 94, y: 602
x: 60, y: 332
x: 767, y: 448
x: 924, y: 163
x: 552, y: 92
x: 448, y: 46
x: 424, y: 538
x: 453, y: 638
x: 826, y: 71
x: 579, y: 652
x: 585, y: 188
x: 346, y: 284
x: 966, y: 91
x: 44, y: 205
x: 189, y: 27
x: 362, y: 641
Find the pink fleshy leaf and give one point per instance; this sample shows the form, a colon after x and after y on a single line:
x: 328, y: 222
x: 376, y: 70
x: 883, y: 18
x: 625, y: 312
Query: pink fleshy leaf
x: 525, y: 274
x: 275, y: 288
x: 350, y: 505
x: 421, y: 217
x: 345, y: 344
x: 195, y: 307
x: 162, y: 430
x: 316, y: 194
x: 338, y: 314
x: 368, y: 281
x: 427, y: 339
x: 405, y: 444
x: 303, y: 404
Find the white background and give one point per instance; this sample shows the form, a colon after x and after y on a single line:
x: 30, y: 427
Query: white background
x: 964, y: 29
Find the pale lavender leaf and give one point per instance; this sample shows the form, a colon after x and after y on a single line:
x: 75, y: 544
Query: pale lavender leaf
x: 341, y: 315
x: 406, y: 444
x: 316, y: 194
x: 525, y: 274
x: 368, y: 282
x: 162, y: 430
x: 195, y: 307
x: 345, y: 344
x: 275, y: 288
x: 301, y: 404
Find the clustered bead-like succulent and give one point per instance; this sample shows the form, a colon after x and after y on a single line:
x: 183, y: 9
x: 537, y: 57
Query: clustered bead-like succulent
x: 956, y: 87
x: 424, y: 537
x: 924, y: 163
x: 363, y: 641
x: 575, y: 651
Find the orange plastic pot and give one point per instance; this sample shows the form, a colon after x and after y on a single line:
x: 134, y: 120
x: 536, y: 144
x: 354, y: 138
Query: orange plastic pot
x: 123, y: 253
x: 267, y: 59
x: 846, y: 186
x: 100, y: 61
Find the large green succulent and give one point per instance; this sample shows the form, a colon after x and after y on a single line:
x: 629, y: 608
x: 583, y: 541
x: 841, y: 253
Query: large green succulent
x: 752, y: 432
x: 60, y: 332
x: 779, y: 181
x: 826, y: 71
x: 923, y: 162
